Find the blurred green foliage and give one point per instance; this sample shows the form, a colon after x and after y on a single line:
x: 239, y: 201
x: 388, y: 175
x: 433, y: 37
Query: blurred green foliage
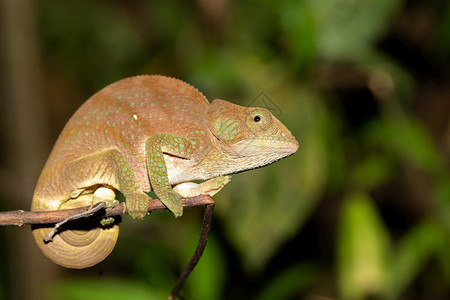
x: 362, y: 250
x: 356, y: 155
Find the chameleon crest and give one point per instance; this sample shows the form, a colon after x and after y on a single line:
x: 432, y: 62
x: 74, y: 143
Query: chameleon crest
x: 142, y: 134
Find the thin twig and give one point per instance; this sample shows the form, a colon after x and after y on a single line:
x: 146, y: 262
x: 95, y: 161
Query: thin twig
x: 206, y: 226
x: 85, y: 214
x: 21, y: 217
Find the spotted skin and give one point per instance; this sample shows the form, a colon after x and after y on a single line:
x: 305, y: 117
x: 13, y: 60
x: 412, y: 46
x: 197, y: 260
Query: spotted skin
x: 157, y: 169
x: 149, y: 133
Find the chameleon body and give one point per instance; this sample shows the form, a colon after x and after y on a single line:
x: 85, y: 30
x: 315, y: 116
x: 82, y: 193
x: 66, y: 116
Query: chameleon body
x: 148, y: 133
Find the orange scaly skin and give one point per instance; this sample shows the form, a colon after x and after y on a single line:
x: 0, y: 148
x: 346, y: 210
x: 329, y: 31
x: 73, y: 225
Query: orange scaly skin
x: 148, y: 133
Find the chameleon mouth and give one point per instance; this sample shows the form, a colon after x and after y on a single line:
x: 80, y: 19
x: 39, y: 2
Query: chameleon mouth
x: 272, y: 143
x: 171, y: 155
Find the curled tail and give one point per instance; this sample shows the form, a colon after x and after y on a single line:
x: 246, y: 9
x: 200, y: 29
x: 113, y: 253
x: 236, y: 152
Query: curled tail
x: 82, y: 246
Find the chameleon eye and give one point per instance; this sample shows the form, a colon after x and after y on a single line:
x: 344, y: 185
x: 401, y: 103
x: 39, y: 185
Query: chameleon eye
x: 258, y: 119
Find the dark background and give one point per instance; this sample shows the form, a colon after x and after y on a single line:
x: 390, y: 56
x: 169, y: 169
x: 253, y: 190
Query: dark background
x: 361, y: 211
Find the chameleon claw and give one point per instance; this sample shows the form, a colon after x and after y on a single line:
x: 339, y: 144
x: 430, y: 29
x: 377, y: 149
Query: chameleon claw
x: 112, y: 203
x: 173, y: 203
x: 110, y: 220
x: 107, y: 221
x: 137, y: 205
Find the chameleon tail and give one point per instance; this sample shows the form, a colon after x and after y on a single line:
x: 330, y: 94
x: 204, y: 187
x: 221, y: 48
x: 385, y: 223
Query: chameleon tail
x: 77, y: 248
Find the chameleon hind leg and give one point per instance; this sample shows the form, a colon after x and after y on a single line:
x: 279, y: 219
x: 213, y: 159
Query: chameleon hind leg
x: 86, y: 181
x: 111, y: 168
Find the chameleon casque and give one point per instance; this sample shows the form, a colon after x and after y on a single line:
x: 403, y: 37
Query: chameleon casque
x: 148, y: 133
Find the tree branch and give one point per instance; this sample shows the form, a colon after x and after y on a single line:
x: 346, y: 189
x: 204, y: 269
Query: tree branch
x: 21, y: 217
x: 206, y: 226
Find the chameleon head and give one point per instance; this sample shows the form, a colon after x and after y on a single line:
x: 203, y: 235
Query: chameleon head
x: 251, y: 137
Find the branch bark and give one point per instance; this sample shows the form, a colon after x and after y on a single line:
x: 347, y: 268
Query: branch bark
x: 206, y: 227
x: 21, y: 217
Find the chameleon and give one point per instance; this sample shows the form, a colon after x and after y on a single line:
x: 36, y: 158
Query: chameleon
x: 141, y: 134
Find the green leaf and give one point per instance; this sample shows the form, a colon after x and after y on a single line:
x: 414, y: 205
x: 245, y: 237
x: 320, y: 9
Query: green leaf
x: 363, y: 247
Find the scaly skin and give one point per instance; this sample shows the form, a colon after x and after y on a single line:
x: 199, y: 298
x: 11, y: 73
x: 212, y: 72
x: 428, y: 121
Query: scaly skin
x: 149, y: 133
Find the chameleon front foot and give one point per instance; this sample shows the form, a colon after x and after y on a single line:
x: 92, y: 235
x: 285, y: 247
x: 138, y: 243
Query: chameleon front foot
x: 137, y: 205
x: 173, y: 203
x: 108, y: 196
